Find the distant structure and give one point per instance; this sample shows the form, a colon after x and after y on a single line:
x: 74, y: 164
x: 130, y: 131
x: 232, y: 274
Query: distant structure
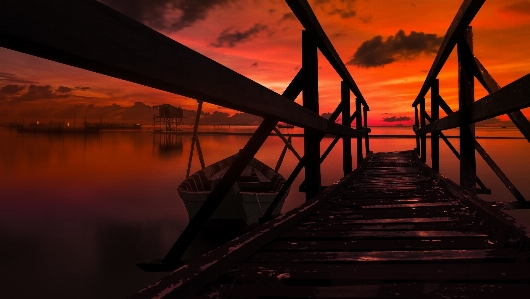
x: 167, y: 118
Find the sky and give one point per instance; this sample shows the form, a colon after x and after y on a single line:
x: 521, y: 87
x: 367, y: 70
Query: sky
x: 388, y: 46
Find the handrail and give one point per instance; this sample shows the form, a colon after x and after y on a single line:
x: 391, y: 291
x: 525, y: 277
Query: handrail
x: 307, y: 18
x: 463, y: 18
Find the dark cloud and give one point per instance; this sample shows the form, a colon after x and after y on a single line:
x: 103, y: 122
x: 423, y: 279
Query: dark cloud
x: 160, y: 14
x: 230, y: 39
x: 344, y: 13
x: 255, y: 64
x: 12, y: 78
x: 522, y: 7
x: 342, y: 8
x: 63, y: 89
x: 288, y: 16
x: 376, y: 52
x: 12, y: 89
x: 83, y: 88
x: 366, y: 19
x: 40, y: 92
x: 396, y: 118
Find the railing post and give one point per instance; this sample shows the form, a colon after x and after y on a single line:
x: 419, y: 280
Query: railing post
x: 346, y: 140
x: 366, y: 141
x: 435, y: 115
x: 310, y: 101
x: 359, y: 126
x: 423, y: 137
x: 417, y: 124
x: 468, y: 167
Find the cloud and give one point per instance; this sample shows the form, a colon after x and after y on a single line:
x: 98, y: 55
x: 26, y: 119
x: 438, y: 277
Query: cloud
x: 522, y: 7
x: 255, y: 64
x: 230, y: 39
x: 83, y: 88
x: 287, y: 17
x: 12, y: 78
x: 342, y: 8
x: 376, y: 52
x: 166, y: 15
x: 42, y: 92
x: 396, y: 118
x: 12, y: 89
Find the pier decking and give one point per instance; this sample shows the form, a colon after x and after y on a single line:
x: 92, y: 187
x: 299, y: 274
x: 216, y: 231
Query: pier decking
x: 391, y: 229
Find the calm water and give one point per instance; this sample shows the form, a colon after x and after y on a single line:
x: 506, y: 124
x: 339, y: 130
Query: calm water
x: 78, y: 212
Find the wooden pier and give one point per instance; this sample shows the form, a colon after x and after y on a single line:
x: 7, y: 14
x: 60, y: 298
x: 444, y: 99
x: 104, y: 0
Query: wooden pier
x: 393, y: 228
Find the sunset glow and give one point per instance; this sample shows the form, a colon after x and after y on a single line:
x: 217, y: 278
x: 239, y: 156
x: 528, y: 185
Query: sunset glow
x: 388, y: 47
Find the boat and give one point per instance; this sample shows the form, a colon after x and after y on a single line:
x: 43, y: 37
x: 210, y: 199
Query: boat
x: 248, y: 199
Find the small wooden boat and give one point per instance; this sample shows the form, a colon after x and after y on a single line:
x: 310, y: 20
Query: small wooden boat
x: 249, y: 198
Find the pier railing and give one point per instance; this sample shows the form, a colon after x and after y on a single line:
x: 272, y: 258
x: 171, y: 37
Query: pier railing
x: 507, y: 100
x: 92, y: 36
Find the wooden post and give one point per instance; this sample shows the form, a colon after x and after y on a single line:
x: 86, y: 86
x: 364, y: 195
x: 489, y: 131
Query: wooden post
x: 310, y: 101
x: 417, y: 124
x: 194, y: 137
x: 358, y: 126
x: 423, y: 137
x: 468, y: 168
x: 366, y: 140
x: 346, y: 140
x: 435, y: 115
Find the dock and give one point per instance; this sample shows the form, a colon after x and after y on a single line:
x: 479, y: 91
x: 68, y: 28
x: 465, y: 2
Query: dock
x: 393, y: 228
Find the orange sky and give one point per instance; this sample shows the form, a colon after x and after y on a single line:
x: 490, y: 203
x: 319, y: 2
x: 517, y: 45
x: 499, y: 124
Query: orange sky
x: 262, y: 41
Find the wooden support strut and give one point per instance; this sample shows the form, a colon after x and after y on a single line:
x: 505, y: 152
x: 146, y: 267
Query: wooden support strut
x: 282, y: 155
x: 366, y: 138
x: 194, y: 137
x: 468, y: 165
x: 226, y: 182
x: 423, y: 137
x: 346, y: 140
x: 417, y: 125
x: 359, y: 125
x: 435, y: 113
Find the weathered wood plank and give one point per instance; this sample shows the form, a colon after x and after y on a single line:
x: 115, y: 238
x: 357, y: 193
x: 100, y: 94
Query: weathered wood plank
x: 463, y: 18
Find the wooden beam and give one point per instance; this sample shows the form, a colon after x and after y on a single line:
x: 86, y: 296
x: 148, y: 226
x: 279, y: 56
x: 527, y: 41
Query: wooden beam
x: 463, y: 18
x: 92, y: 36
x: 512, y: 97
x: 366, y: 138
x: 517, y: 117
x: 194, y: 136
x: 310, y: 101
x: 358, y: 125
x: 307, y: 18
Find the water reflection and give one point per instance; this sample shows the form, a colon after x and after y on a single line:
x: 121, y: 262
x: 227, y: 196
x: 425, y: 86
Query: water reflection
x: 168, y: 144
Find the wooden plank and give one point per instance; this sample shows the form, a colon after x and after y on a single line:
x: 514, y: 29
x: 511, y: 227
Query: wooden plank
x: 381, y: 234
x: 386, y: 256
x: 512, y: 97
x: 307, y: 18
x: 362, y: 273
x: 118, y: 46
x: 310, y: 101
x: 382, y: 244
x: 463, y: 18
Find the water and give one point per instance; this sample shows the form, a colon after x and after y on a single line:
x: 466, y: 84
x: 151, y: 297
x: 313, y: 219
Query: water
x: 78, y: 212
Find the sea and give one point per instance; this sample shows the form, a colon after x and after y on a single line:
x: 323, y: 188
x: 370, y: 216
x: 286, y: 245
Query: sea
x: 77, y: 212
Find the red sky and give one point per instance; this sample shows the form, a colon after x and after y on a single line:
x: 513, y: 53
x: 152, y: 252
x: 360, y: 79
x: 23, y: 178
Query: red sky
x: 262, y: 40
